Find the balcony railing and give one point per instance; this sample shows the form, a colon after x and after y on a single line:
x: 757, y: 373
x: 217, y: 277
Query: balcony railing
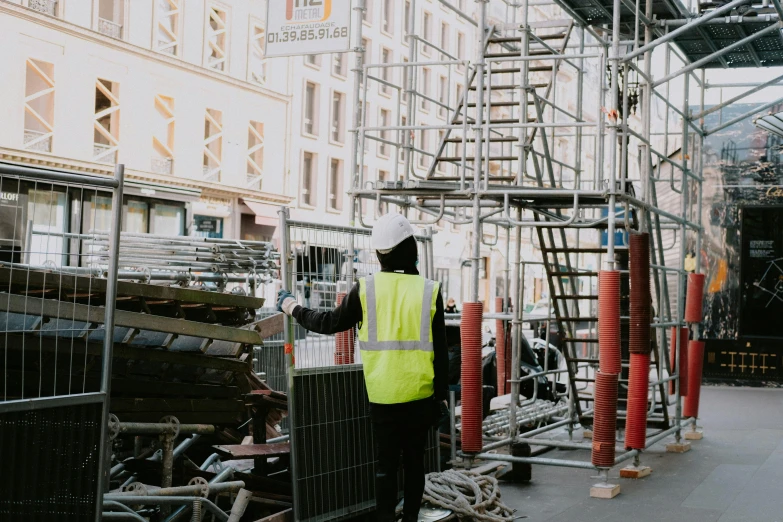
x: 211, y: 173
x: 253, y: 181
x: 103, y: 153
x: 109, y: 28
x: 41, y: 145
x: 162, y: 165
x: 44, y: 6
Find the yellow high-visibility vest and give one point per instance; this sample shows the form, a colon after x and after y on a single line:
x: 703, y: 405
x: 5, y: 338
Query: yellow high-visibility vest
x: 395, y: 336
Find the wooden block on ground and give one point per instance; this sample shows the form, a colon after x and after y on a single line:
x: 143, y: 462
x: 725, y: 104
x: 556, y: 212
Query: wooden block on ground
x: 694, y: 435
x: 604, y: 490
x: 587, y: 434
x: 678, y: 447
x: 634, y: 472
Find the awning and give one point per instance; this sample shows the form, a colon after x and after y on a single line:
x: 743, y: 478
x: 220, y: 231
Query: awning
x: 771, y: 122
x: 266, y: 214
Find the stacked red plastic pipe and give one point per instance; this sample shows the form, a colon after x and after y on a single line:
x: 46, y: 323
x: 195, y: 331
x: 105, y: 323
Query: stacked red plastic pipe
x: 344, y: 341
x: 695, y: 349
x: 470, y: 332
x: 695, y: 361
x: 500, y: 348
x: 609, y: 357
x: 605, y: 419
x: 639, y: 345
x: 609, y: 362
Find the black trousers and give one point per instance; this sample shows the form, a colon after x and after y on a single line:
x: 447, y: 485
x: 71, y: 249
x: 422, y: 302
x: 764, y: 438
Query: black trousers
x: 391, y: 440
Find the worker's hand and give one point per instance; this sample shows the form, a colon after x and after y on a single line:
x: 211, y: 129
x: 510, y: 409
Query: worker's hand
x: 286, y: 302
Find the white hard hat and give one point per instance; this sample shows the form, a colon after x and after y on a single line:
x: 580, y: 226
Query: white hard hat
x: 390, y: 230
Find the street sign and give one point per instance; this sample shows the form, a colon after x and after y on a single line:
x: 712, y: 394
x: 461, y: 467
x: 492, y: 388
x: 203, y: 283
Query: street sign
x: 307, y: 27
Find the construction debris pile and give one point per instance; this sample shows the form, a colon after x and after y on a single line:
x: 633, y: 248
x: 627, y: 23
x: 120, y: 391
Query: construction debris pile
x: 193, y: 429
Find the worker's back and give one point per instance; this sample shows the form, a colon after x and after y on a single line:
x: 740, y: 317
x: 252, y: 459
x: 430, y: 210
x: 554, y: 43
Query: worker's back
x: 395, y: 336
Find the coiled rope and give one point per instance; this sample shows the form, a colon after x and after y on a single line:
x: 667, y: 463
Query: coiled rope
x: 470, y: 495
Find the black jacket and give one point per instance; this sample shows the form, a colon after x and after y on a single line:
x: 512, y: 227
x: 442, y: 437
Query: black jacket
x: 349, y: 314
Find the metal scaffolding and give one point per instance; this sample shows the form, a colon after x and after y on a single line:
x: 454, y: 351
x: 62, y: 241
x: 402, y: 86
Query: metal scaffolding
x: 551, y: 127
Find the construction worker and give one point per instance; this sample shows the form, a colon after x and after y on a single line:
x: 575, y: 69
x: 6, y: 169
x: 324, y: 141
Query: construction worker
x: 402, y: 338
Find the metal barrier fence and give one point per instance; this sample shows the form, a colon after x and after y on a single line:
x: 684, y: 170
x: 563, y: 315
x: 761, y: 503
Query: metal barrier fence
x: 332, y: 456
x: 53, y: 416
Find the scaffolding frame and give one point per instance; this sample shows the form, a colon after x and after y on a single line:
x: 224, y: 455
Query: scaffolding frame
x: 559, y: 199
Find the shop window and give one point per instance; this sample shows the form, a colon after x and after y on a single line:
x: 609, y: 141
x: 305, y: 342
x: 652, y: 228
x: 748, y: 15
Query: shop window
x: 46, y: 209
x: 167, y: 220
x: 207, y: 226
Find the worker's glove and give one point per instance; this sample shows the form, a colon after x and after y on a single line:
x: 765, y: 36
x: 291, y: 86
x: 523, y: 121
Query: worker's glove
x: 286, y: 302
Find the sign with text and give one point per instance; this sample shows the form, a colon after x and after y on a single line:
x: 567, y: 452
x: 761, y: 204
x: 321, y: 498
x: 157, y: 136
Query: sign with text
x: 307, y: 27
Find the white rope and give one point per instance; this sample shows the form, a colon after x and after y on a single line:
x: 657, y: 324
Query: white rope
x: 470, y: 495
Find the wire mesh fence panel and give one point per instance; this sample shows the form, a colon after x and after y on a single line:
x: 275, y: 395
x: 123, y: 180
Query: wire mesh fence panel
x: 52, y: 314
x: 333, y: 457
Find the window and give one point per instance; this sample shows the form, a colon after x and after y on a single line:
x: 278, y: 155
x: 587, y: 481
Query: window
x: 401, y: 138
x: 364, y: 199
x: 256, y: 61
x: 367, y: 14
x: 335, y: 201
x: 441, y: 165
x: 213, y: 145
x: 383, y: 147
x: 106, y: 122
x: 167, y: 26
x: 367, y: 114
x: 216, y: 53
x: 461, y: 50
x: 39, y: 106
x: 383, y: 175
x: 425, y: 146
x: 424, y: 103
x: 338, y: 118
x: 313, y: 60
x: 339, y: 65
x: 367, y: 45
x: 426, y: 24
x: 407, y: 18
x: 387, y: 18
x: 444, y: 36
x: 255, y: 155
x: 310, y: 122
x: 386, y: 72
x: 443, y: 96
x: 163, y: 136
x: 111, y: 16
x: 308, y: 179
x: 404, y: 98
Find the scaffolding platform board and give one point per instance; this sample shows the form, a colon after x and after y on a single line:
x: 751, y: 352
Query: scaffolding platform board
x: 764, y: 51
